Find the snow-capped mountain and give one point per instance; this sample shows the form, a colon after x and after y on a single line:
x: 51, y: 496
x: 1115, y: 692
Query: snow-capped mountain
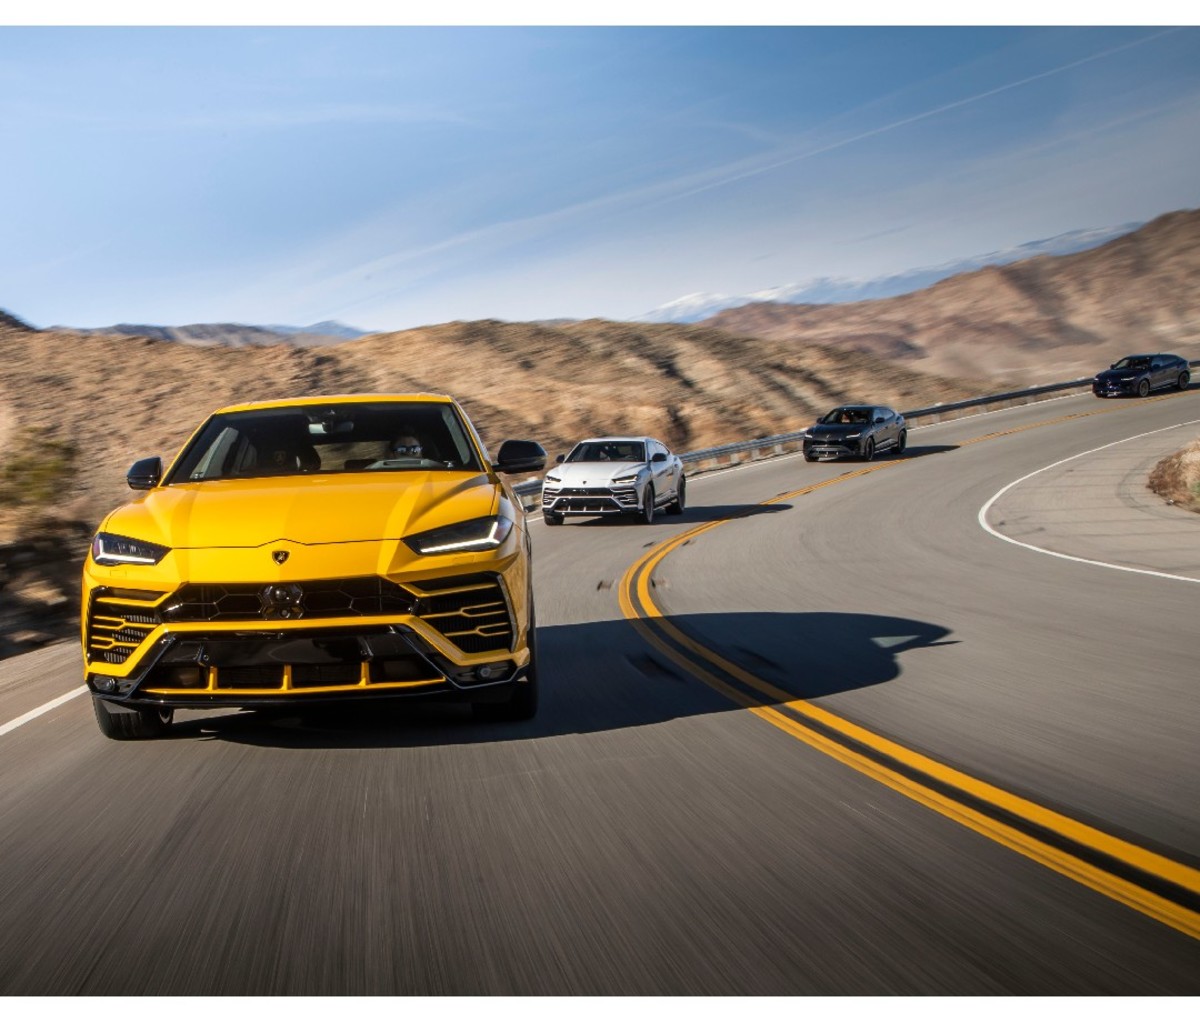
x: 326, y: 328
x: 834, y: 290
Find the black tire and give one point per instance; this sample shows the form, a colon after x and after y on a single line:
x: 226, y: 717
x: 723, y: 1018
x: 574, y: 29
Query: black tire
x: 901, y: 442
x: 550, y: 518
x: 143, y: 723
x: 868, y: 451
x: 679, y: 504
x: 646, y: 515
x: 1143, y: 388
x: 1183, y: 381
x: 522, y: 703
x: 810, y: 457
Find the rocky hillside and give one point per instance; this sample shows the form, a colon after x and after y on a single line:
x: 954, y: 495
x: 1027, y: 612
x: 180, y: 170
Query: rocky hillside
x: 1034, y: 321
x: 114, y: 399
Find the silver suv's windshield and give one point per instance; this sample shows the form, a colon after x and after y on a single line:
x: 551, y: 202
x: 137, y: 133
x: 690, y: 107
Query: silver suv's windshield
x: 385, y: 436
x: 608, y: 450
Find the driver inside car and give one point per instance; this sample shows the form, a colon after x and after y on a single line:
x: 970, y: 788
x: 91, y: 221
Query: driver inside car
x: 405, y: 446
x: 405, y: 451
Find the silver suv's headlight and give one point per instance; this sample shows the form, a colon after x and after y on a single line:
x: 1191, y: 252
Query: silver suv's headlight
x: 111, y: 550
x: 631, y: 477
x: 464, y: 537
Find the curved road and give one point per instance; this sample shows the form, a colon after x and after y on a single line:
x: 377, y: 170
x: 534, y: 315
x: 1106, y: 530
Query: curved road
x: 823, y: 734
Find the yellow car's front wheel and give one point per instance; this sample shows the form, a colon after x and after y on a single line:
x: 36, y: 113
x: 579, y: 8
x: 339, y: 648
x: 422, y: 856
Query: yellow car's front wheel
x: 139, y: 722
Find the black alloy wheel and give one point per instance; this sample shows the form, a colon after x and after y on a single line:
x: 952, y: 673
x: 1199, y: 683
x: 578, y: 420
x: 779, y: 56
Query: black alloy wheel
x: 901, y: 441
x: 142, y: 723
x: 1143, y: 388
x: 868, y: 451
x: 1182, y: 382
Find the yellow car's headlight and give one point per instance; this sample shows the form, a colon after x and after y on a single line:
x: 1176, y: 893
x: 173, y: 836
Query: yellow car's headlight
x: 464, y: 537
x: 112, y: 550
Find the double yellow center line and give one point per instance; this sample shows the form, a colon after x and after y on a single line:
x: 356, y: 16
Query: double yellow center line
x: 1153, y: 884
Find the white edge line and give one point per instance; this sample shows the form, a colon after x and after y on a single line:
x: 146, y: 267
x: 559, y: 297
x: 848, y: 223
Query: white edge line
x: 983, y: 522
x: 25, y: 718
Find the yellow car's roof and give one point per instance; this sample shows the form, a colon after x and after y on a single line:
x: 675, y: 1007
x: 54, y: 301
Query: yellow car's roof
x: 334, y: 399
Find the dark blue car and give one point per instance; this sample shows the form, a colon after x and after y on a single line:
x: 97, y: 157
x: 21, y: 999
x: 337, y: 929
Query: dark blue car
x: 1140, y: 374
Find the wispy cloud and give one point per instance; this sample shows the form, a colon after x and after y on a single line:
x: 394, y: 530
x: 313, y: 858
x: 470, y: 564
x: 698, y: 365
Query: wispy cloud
x: 770, y: 163
x: 247, y: 119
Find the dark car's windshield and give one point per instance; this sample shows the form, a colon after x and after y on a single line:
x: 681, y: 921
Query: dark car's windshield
x: 1133, y: 362
x: 608, y: 450
x: 846, y: 415
x: 385, y: 436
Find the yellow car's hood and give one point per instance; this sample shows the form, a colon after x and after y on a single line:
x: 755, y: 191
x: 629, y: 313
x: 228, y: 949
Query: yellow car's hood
x: 305, y: 509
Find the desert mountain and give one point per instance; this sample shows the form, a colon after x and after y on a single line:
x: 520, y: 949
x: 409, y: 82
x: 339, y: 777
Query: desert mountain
x: 231, y: 335
x: 693, y: 386
x: 11, y: 321
x: 1045, y: 318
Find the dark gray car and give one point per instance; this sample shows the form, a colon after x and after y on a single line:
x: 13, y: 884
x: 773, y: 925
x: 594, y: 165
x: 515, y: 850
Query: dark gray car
x: 855, y: 431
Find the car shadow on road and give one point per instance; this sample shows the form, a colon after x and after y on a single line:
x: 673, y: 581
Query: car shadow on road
x: 604, y: 676
x: 691, y: 516
x: 923, y: 450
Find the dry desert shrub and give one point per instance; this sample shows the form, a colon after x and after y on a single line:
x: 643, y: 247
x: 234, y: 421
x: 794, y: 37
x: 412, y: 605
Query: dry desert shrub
x: 1177, y: 477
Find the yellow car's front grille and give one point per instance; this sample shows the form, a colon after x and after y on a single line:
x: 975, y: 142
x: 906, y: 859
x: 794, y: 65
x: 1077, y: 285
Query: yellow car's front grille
x: 365, y: 596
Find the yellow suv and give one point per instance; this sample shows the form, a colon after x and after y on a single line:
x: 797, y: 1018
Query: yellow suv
x: 310, y: 551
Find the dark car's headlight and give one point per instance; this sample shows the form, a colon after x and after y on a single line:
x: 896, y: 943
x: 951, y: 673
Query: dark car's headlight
x: 111, y: 550
x: 853, y: 436
x: 477, y: 534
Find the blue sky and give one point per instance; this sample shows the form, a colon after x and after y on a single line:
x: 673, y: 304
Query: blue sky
x: 392, y: 177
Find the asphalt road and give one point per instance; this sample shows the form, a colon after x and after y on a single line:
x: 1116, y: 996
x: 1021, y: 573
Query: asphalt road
x: 649, y: 834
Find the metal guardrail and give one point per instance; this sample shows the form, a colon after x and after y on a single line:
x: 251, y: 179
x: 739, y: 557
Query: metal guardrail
x: 779, y: 440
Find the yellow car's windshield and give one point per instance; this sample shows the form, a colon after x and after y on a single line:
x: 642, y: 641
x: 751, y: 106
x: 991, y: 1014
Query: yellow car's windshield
x: 385, y: 436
